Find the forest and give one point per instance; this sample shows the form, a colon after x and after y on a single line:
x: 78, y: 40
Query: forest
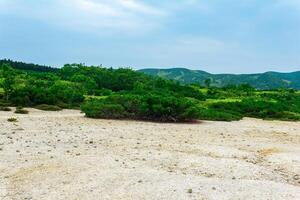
x: 123, y: 93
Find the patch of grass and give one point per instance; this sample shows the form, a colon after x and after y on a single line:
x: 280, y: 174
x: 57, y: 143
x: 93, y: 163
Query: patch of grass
x: 48, y: 107
x: 209, y: 102
x: 20, y: 110
x: 12, y: 119
x: 91, y: 97
x: 5, y: 109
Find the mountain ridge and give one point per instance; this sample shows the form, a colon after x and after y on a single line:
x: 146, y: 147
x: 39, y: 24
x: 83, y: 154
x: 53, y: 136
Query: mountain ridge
x: 266, y: 80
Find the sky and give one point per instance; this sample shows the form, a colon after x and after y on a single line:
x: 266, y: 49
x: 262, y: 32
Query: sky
x: 218, y: 36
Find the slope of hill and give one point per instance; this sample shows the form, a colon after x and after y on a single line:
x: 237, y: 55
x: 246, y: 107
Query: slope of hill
x: 268, y: 80
x: 28, y: 66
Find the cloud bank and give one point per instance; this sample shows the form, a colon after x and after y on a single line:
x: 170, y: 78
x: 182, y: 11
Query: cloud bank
x: 88, y: 15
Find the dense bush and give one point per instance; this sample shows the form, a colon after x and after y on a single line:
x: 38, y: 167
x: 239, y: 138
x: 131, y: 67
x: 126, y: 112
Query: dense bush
x: 254, y: 108
x: 217, y: 115
x: 143, y: 107
x: 99, y: 109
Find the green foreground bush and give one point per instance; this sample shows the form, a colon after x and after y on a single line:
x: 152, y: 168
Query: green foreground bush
x: 150, y: 107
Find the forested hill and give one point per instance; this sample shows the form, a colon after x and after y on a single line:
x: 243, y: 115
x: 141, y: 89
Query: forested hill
x: 28, y: 66
x: 268, y: 80
x: 264, y: 81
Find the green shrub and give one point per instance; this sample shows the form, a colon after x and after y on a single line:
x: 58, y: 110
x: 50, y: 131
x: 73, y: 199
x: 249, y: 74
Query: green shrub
x: 215, y: 115
x: 48, y: 107
x: 98, y: 109
x: 5, y: 109
x: 151, y: 107
x: 190, y: 191
x: 20, y: 110
x: 264, y: 109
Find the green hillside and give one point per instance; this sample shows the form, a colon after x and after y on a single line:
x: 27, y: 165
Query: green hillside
x: 268, y: 80
x: 122, y: 93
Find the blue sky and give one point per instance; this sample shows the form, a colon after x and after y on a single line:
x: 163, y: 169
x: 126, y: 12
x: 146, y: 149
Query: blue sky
x: 219, y: 36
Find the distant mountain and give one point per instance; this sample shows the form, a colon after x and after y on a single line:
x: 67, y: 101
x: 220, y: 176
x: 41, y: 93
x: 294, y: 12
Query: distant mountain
x: 268, y: 80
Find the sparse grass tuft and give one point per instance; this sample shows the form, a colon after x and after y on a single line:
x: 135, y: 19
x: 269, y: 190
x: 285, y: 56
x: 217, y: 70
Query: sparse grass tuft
x: 190, y: 191
x: 12, y: 119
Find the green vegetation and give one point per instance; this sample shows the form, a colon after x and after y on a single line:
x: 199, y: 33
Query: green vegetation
x: 12, y: 119
x: 5, y: 109
x: 126, y: 94
x: 20, y: 110
x: 147, y: 106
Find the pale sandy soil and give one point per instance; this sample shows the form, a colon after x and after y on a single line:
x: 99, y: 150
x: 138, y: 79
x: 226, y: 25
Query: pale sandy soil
x: 62, y: 155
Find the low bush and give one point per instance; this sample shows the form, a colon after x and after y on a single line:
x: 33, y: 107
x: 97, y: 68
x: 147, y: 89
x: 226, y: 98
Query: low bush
x: 48, y: 107
x: 152, y: 107
x: 20, y: 110
x: 98, y: 109
x: 5, y: 109
x: 264, y: 109
x: 215, y: 115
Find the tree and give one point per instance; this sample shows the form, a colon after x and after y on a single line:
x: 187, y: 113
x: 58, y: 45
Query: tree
x: 207, y: 82
x: 9, y: 79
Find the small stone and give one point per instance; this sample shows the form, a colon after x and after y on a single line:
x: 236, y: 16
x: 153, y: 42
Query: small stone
x: 296, y: 177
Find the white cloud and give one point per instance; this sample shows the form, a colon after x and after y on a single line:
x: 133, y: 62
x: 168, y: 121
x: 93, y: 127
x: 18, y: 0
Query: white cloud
x: 89, y: 15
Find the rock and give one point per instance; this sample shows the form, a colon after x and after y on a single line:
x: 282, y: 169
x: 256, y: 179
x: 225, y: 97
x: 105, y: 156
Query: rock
x: 296, y: 177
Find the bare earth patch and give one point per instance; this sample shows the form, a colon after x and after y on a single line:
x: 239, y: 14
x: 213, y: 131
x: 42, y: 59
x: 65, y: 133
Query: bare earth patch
x: 63, y: 155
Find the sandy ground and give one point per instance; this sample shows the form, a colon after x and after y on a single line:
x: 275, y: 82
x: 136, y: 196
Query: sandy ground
x: 62, y: 155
